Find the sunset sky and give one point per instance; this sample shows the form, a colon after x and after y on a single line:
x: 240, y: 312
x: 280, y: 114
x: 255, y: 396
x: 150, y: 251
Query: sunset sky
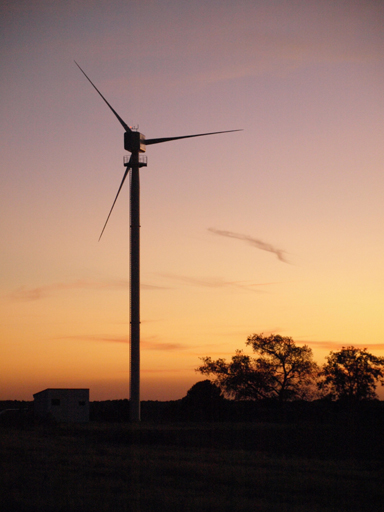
x: 275, y: 229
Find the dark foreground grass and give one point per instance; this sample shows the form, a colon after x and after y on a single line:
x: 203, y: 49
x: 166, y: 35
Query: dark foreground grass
x: 253, y: 467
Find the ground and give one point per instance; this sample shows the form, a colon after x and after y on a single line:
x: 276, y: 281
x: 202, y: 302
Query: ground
x: 190, y: 467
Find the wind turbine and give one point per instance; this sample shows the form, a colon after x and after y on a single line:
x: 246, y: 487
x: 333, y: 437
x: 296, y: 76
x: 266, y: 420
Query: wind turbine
x: 135, y: 143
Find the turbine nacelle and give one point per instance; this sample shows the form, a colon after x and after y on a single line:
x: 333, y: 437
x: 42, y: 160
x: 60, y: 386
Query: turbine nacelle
x: 134, y: 142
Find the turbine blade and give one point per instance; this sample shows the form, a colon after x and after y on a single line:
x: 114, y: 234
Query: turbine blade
x: 123, y: 123
x: 149, y: 142
x: 117, y: 195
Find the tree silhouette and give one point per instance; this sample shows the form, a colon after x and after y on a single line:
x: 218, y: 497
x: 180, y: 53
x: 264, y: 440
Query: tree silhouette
x: 282, y: 370
x: 203, y: 392
x: 352, y: 375
x: 203, y: 402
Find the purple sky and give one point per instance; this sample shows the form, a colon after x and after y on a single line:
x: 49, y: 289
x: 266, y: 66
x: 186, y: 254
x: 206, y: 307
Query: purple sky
x: 304, y: 180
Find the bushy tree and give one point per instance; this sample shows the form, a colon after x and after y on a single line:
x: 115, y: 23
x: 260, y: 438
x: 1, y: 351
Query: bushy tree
x: 352, y: 374
x: 282, y: 370
x: 203, y: 402
x: 204, y: 392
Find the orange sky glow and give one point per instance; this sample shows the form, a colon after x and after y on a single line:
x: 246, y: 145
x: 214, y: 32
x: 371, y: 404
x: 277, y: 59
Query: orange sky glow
x: 275, y: 229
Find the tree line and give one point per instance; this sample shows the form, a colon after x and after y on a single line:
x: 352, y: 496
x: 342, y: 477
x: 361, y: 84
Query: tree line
x: 283, y: 371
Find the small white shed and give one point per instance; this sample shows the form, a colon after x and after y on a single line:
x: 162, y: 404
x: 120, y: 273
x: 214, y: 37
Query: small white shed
x: 65, y: 405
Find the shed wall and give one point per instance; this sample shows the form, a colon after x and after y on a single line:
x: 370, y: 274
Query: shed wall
x: 65, y: 405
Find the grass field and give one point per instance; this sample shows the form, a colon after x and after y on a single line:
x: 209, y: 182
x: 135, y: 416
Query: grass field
x: 189, y: 467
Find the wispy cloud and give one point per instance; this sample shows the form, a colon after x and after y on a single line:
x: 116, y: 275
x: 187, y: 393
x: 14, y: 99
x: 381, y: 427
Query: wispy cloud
x: 146, y: 344
x: 259, y: 244
x: 337, y: 345
x: 261, y: 48
x: 41, y: 292
x: 144, y: 286
x: 98, y: 339
x: 159, y: 345
x: 216, y: 282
